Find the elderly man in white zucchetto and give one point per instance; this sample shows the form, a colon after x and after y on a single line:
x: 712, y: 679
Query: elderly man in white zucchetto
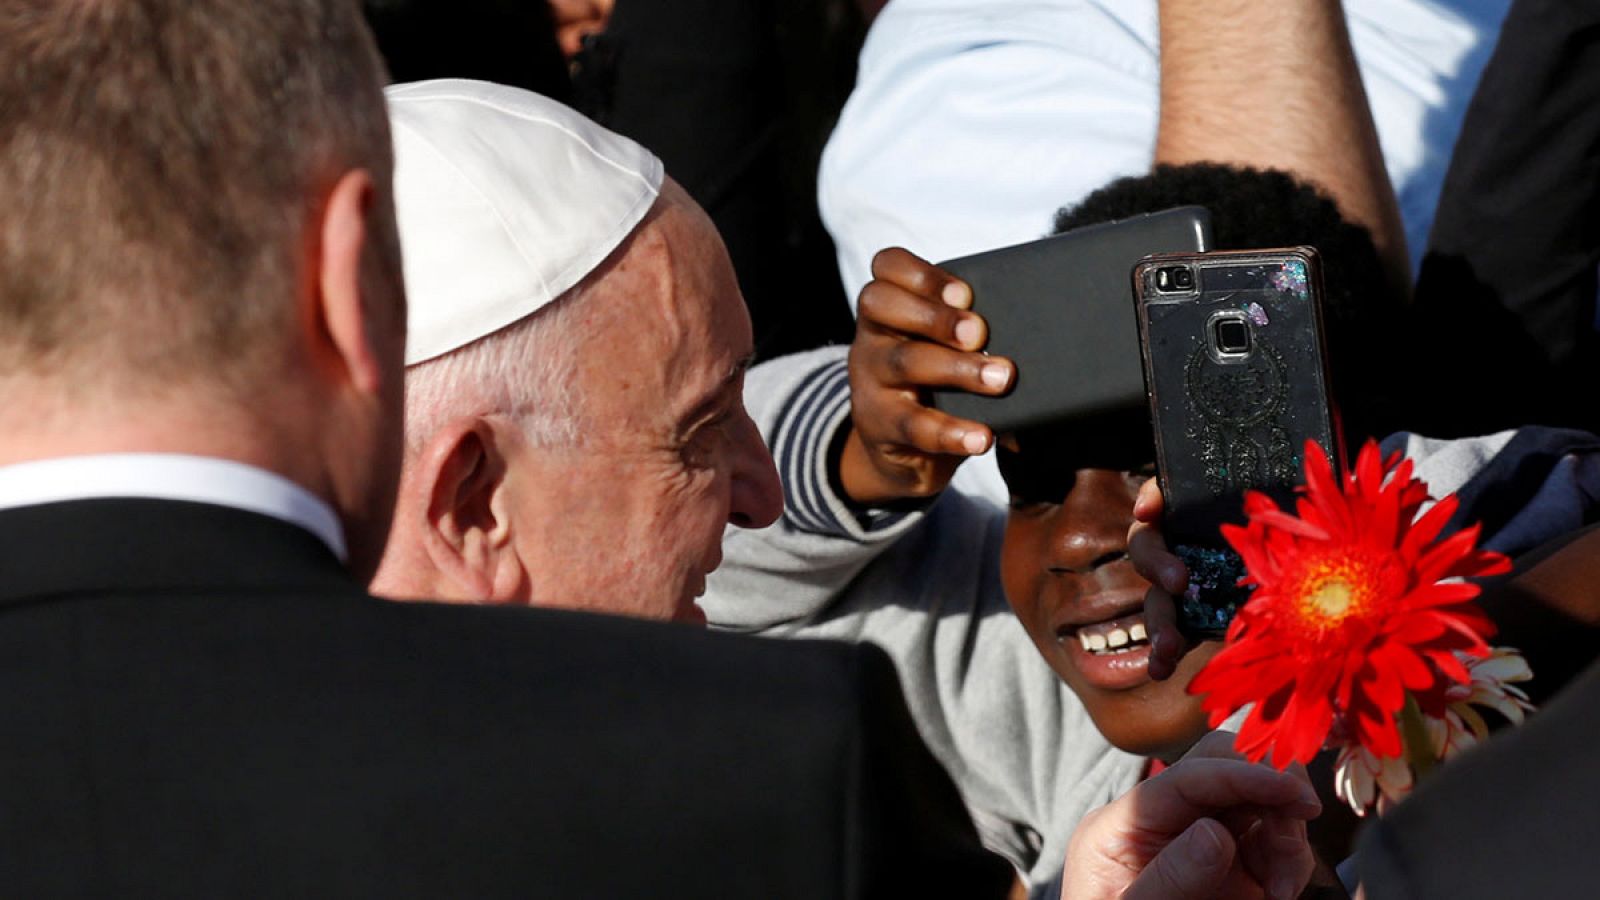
x: 575, y: 428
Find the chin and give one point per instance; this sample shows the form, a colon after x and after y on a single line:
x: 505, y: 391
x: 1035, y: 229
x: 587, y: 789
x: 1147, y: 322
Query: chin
x: 1158, y: 719
x: 1170, y: 751
x: 1166, y: 744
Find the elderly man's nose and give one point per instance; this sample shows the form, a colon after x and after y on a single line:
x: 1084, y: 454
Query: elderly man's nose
x: 757, y: 495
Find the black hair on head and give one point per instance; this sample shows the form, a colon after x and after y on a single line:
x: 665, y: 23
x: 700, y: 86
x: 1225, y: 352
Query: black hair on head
x: 1255, y: 209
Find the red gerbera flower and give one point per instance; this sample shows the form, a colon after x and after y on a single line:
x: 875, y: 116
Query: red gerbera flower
x: 1351, y: 609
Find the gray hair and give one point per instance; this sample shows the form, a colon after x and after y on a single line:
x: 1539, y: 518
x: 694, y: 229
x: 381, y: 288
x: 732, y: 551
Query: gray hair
x: 524, y: 371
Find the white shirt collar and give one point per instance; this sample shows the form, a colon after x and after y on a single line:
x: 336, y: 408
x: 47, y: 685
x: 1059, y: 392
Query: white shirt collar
x: 171, y: 476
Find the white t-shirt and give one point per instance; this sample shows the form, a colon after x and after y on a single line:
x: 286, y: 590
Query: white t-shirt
x: 973, y: 121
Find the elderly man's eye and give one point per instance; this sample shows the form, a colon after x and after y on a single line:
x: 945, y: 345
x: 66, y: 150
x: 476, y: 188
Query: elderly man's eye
x: 699, y: 449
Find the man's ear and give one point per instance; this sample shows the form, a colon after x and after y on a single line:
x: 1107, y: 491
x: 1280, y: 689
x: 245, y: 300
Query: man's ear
x: 469, y: 527
x: 337, y: 309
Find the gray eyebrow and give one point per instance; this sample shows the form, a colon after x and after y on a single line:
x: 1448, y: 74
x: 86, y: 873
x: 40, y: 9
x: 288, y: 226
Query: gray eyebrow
x: 702, y: 409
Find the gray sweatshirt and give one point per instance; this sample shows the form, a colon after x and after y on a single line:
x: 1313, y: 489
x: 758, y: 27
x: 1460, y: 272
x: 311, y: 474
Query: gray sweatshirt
x: 926, y: 587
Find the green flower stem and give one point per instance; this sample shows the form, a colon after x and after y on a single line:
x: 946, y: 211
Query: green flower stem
x: 1420, y: 752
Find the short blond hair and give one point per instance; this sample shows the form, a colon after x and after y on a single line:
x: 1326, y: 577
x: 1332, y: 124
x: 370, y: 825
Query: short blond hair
x: 158, y: 160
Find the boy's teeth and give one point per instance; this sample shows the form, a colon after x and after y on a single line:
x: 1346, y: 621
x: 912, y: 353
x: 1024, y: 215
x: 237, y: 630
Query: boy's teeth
x: 1118, y: 636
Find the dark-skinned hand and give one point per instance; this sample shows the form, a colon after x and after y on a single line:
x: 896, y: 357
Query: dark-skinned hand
x: 914, y: 331
x: 1167, y: 576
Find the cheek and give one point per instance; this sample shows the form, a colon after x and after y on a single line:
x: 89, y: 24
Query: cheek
x: 1159, y: 719
x: 1019, y: 576
x: 689, y: 497
x: 699, y: 481
x: 1193, y: 662
x: 690, y: 515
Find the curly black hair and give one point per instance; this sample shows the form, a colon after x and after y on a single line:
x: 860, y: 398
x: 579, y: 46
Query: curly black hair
x: 1264, y: 208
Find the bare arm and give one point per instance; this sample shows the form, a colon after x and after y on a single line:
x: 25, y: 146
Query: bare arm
x: 1274, y: 84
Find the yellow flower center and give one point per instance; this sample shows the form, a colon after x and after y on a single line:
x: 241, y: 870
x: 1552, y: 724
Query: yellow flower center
x: 1329, y: 590
x: 1330, y: 601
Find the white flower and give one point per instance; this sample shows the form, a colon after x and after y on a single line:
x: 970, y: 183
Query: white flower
x: 1493, y: 686
x: 1361, y: 778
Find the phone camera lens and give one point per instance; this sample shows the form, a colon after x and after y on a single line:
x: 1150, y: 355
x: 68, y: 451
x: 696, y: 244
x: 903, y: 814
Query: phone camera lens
x: 1233, y: 336
x: 1175, y: 279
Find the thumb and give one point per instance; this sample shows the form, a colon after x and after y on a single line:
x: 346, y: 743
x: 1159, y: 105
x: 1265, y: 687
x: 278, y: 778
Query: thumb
x: 1193, y: 867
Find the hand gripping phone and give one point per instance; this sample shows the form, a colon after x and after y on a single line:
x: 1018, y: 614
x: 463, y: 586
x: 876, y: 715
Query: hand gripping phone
x: 1236, y: 371
x: 1061, y: 309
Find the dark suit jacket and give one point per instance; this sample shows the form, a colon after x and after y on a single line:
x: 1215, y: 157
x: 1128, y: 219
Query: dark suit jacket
x: 197, y: 701
x: 1517, y: 817
x: 1504, y: 310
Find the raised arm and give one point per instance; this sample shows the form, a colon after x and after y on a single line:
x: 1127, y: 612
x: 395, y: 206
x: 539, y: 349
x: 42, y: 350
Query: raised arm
x: 854, y: 442
x: 1270, y: 84
x: 1274, y: 84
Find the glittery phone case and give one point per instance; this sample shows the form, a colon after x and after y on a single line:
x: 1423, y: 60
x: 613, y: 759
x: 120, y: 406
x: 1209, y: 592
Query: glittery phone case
x: 1236, y: 377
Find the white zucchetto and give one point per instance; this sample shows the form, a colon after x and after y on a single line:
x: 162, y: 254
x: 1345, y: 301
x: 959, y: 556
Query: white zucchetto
x: 505, y: 200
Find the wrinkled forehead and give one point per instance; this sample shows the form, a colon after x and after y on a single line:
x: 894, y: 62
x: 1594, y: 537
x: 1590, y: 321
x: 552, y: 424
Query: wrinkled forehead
x: 666, y: 322
x: 686, y: 282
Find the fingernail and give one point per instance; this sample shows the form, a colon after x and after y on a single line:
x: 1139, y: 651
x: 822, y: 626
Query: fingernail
x: 975, y: 442
x: 1204, y: 849
x: 1141, y: 507
x: 995, y: 375
x: 1283, y: 888
x: 968, y: 332
x: 957, y: 295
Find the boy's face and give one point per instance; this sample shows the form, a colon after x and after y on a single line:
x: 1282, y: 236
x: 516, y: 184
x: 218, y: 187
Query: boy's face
x: 1065, y: 570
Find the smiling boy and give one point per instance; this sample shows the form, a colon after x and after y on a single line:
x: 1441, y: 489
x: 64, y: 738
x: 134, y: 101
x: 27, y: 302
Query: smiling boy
x: 1038, y: 723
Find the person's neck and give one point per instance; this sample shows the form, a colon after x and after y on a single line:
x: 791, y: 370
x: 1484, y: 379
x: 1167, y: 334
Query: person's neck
x: 32, y: 431
x: 331, y: 442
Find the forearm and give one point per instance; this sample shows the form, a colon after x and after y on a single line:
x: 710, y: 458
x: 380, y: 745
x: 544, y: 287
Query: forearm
x: 859, y: 479
x: 796, y: 568
x: 1274, y: 84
